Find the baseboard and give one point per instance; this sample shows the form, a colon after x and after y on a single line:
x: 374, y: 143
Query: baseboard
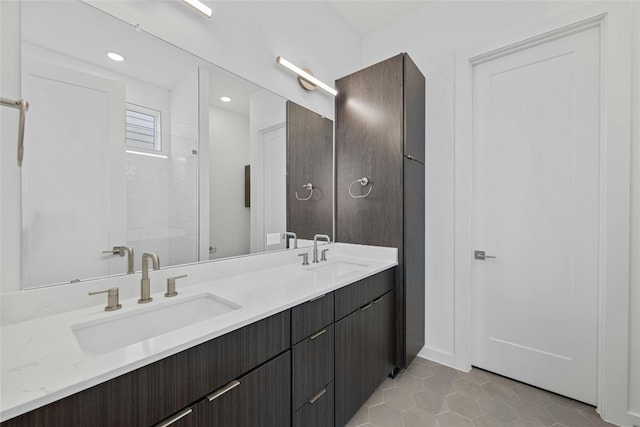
x: 438, y: 356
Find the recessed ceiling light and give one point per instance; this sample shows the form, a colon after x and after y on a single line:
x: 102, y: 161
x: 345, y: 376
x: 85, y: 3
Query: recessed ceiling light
x: 225, y: 99
x: 115, y: 56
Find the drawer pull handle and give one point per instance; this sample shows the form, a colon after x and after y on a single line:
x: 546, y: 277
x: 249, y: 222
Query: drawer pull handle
x: 317, y: 298
x: 317, y: 334
x: 317, y: 396
x: 222, y: 390
x: 377, y: 300
x: 364, y: 307
x: 175, y: 418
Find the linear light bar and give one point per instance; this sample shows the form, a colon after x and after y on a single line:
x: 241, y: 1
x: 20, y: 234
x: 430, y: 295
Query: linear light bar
x: 142, y: 153
x: 200, y: 7
x: 306, y: 76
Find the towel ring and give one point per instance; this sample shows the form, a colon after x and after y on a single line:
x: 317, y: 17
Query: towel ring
x: 364, y: 182
x: 309, y: 188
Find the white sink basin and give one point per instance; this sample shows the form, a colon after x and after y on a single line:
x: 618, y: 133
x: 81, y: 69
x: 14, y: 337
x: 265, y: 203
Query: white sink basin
x: 104, y: 335
x: 337, y: 268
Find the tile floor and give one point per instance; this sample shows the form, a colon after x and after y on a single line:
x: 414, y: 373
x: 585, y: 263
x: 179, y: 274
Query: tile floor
x: 428, y: 394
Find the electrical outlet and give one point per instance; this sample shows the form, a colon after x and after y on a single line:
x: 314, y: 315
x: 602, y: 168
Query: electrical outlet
x: 273, y: 238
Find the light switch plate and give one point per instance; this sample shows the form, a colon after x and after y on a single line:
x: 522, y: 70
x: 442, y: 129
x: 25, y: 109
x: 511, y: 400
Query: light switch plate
x: 273, y: 238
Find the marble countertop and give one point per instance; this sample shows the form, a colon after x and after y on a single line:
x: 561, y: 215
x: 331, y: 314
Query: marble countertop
x: 41, y: 361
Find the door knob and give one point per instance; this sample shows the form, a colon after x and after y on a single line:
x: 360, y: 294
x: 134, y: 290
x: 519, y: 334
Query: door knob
x: 481, y: 255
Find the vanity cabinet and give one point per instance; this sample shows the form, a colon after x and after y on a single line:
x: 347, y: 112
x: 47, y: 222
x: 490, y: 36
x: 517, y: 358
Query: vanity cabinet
x: 380, y: 135
x: 364, y: 343
x: 260, y: 398
x: 312, y: 365
x: 152, y: 393
x: 312, y: 331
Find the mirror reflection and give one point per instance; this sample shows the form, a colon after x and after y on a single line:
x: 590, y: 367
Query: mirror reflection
x: 134, y: 143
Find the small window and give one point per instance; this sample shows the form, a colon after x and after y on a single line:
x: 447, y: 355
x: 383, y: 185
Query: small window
x: 142, y: 126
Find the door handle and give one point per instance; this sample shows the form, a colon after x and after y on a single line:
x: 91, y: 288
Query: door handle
x: 480, y: 255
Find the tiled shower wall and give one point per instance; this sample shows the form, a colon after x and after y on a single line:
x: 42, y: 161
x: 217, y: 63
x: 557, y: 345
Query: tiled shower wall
x: 183, y: 217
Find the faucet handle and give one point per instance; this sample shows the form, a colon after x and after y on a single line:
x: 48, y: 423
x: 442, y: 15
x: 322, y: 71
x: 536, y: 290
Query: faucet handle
x: 171, y: 285
x: 305, y: 258
x: 323, y: 254
x: 115, y: 251
x: 112, y: 298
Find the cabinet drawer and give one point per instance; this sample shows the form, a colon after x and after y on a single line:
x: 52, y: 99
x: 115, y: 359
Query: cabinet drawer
x: 312, y: 365
x: 354, y: 296
x: 311, y: 316
x: 262, y: 398
x: 188, y: 417
x: 318, y: 411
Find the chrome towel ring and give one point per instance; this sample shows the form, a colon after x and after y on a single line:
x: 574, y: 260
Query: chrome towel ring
x: 364, y: 182
x: 309, y: 188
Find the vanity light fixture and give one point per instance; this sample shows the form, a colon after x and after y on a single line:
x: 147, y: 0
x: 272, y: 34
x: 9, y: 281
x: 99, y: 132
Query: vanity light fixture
x: 305, y: 78
x: 225, y: 99
x: 142, y: 153
x: 114, y: 56
x: 200, y: 7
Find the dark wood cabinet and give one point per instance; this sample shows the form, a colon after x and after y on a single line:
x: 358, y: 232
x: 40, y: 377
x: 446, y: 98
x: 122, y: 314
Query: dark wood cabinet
x: 261, y: 398
x: 188, y: 417
x: 309, y: 160
x: 342, y: 349
x: 365, y: 350
x: 318, y: 411
x: 312, y: 365
x: 150, y: 394
x: 311, y: 316
x: 380, y: 135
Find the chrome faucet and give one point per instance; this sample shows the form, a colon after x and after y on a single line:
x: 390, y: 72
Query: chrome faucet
x: 293, y: 235
x: 145, y: 283
x: 315, y: 244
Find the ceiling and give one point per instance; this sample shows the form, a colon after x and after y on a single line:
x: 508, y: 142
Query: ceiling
x: 367, y: 16
x: 83, y: 33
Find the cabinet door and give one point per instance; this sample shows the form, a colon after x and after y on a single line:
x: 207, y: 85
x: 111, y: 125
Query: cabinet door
x: 312, y: 365
x: 260, y: 398
x: 318, y: 411
x: 365, y: 346
x: 369, y: 132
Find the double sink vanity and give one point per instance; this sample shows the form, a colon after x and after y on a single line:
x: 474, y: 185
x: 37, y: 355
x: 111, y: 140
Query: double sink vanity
x: 248, y: 341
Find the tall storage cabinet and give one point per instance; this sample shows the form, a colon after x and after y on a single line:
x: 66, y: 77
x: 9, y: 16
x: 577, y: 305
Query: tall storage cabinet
x: 380, y: 135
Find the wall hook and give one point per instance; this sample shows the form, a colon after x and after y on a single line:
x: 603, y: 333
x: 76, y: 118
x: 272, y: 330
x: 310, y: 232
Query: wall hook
x: 364, y: 182
x: 309, y: 188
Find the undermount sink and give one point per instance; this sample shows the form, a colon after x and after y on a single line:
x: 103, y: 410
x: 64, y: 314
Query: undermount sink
x: 104, y: 335
x: 337, y: 268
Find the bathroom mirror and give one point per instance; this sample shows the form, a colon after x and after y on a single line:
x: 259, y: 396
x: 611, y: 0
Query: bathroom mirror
x: 144, y: 151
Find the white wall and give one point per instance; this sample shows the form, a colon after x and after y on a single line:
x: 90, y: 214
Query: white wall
x: 10, y: 182
x: 245, y: 37
x: 266, y: 111
x: 229, y: 153
x: 634, y: 300
x: 432, y: 36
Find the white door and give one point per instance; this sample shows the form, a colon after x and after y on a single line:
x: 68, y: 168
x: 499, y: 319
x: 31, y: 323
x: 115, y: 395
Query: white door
x: 535, y: 201
x: 74, y: 189
x: 275, y: 184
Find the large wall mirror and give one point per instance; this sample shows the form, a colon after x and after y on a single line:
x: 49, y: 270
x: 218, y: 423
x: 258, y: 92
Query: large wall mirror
x: 149, y: 152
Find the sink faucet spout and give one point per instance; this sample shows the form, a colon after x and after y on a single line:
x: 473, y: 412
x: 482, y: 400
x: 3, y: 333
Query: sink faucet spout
x: 145, y: 283
x: 315, y: 244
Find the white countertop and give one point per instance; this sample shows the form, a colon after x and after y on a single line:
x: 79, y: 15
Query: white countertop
x: 41, y: 361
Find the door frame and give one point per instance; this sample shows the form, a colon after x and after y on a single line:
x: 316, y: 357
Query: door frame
x: 614, y: 23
